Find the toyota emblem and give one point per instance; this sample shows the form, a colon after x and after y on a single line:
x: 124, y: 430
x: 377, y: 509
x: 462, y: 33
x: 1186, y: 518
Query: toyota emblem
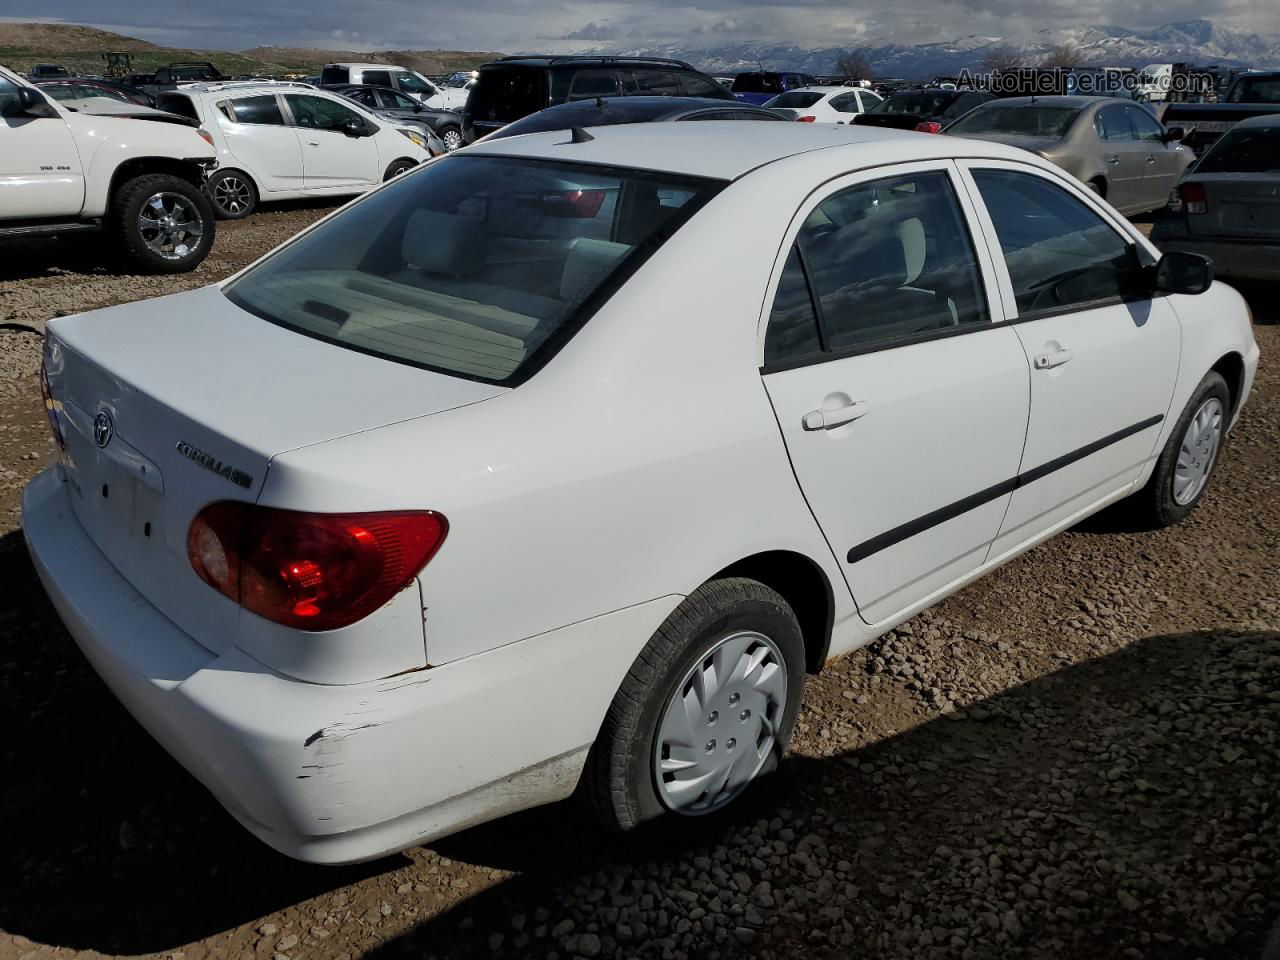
x: 103, y: 428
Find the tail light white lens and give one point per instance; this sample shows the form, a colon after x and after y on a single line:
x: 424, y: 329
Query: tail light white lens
x: 51, y: 408
x: 929, y: 126
x: 1190, y: 198
x: 311, y: 571
x: 808, y: 119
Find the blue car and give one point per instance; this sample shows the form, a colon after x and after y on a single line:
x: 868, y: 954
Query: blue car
x: 756, y: 88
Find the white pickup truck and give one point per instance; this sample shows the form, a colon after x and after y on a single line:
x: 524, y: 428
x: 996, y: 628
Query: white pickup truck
x: 137, y: 181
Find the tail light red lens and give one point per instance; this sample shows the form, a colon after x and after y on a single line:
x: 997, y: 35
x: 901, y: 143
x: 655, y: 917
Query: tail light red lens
x: 577, y: 204
x: 51, y: 408
x: 806, y: 119
x: 311, y: 571
x: 929, y: 126
x: 1190, y: 198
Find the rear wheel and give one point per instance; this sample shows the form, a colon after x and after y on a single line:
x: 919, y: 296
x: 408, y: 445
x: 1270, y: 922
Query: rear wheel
x: 706, y: 710
x: 1189, y: 456
x: 1098, y: 186
x: 233, y: 193
x: 163, y: 223
x: 398, y: 167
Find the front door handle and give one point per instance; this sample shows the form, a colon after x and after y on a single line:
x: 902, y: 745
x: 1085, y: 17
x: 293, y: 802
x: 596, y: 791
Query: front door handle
x: 1047, y: 361
x: 314, y: 143
x: 1150, y: 159
x: 1113, y: 160
x: 827, y: 419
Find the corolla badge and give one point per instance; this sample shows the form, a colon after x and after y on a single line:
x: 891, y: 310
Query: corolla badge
x: 103, y: 428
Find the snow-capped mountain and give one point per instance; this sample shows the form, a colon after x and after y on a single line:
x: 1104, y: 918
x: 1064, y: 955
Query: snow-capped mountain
x: 1194, y: 41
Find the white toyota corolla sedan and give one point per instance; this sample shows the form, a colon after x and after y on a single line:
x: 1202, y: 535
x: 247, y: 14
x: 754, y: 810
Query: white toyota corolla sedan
x: 555, y: 465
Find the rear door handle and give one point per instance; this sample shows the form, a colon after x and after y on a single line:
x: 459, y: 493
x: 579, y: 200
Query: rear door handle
x: 1150, y: 158
x: 314, y: 143
x: 827, y: 419
x: 1047, y: 361
x: 1113, y: 159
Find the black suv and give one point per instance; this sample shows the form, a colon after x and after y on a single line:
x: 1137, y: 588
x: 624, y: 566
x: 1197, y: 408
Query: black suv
x: 515, y: 87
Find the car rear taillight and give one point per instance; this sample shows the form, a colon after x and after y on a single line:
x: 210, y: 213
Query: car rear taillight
x: 577, y: 204
x: 1189, y: 198
x: 51, y: 408
x: 311, y: 571
x: 929, y: 126
x: 205, y: 135
x: 808, y: 119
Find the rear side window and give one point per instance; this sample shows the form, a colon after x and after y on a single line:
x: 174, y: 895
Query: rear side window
x: 1244, y: 150
x: 178, y: 103
x: 1113, y: 126
x: 478, y: 266
x: 891, y: 259
x: 654, y: 83
x: 362, y: 96
x: 1059, y: 252
x: 845, y: 103
x: 258, y: 110
x: 587, y: 84
x: 797, y: 100
x: 335, y: 75
x: 377, y: 78
x: 757, y: 83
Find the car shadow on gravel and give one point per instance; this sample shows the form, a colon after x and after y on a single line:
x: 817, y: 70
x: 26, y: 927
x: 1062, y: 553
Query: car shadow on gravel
x: 109, y: 845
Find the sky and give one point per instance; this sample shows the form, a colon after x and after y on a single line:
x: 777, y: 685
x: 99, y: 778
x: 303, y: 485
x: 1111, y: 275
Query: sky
x: 565, y: 25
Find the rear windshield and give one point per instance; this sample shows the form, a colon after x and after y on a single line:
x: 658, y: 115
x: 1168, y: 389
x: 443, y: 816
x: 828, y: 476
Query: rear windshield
x: 477, y: 266
x: 335, y: 75
x: 797, y: 100
x: 178, y: 103
x: 508, y: 93
x: 1026, y: 121
x: 1247, y: 150
x: 924, y: 103
x: 1256, y: 90
x: 757, y: 83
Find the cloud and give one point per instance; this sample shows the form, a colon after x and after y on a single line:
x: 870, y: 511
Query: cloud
x: 593, y: 31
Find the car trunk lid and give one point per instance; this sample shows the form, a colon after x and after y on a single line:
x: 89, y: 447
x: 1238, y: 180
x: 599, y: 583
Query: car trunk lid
x: 170, y: 404
x: 1243, y: 205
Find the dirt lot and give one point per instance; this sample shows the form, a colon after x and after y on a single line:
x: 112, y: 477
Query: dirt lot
x: 1076, y: 757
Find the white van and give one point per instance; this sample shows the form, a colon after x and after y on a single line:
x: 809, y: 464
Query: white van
x: 1155, y: 81
x: 398, y: 78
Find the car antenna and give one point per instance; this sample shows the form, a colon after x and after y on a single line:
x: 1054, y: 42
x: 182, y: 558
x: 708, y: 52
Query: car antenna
x: 600, y: 103
x: 578, y: 135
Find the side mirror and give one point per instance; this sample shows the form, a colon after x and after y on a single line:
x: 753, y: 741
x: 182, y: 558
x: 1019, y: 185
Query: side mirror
x: 1172, y: 134
x: 30, y: 103
x: 1182, y: 272
x: 354, y: 128
x: 417, y: 107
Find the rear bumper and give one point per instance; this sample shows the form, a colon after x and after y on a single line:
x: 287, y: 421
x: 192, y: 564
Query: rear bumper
x: 1243, y: 259
x: 337, y: 774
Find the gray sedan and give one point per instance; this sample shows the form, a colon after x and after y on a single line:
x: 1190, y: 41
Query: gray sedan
x: 1228, y: 207
x: 1117, y: 148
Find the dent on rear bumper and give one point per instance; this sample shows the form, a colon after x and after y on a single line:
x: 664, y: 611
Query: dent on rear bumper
x: 335, y: 774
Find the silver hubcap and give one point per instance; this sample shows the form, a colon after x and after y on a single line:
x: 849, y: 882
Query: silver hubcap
x: 1197, y: 453
x: 452, y: 140
x: 170, y: 225
x: 232, y: 195
x: 720, y: 725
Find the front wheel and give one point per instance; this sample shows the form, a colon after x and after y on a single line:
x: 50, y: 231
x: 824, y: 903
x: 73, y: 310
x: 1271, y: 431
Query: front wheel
x: 451, y: 137
x: 1182, y: 473
x: 164, y: 224
x: 706, y: 710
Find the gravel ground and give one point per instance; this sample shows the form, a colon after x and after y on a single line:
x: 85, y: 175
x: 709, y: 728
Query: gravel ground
x: 1076, y: 757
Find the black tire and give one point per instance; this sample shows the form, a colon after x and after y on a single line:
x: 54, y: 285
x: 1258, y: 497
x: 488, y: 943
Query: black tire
x: 398, y: 167
x: 451, y: 137
x: 233, y: 194
x: 1155, y: 506
x: 126, y: 207
x: 619, y: 784
x: 1098, y: 186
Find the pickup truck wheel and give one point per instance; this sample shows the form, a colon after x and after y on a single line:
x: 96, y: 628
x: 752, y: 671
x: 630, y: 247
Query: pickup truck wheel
x: 164, y: 223
x: 705, y: 711
x: 233, y: 194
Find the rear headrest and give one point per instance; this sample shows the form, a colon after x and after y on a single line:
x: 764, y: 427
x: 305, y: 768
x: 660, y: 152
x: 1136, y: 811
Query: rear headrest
x: 442, y: 243
x: 587, y: 264
x: 914, y: 246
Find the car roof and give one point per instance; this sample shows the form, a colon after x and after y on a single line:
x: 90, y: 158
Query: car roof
x: 1078, y: 101
x: 586, y: 61
x: 1264, y: 120
x: 728, y: 150
x: 826, y: 88
x: 367, y: 66
x: 656, y: 105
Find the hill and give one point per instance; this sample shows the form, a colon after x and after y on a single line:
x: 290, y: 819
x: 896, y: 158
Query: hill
x: 80, y: 50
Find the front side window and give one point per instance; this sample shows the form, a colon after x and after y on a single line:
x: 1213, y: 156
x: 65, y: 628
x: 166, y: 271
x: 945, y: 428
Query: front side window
x: 1113, y: 126
x: 317, y: 113
x: 845, y: 103
x: 9, y: 100
x: 1145, y: 126
x: 376, y: 78
x: 796, y: 99
x: 1059, y: 252
x: 695, y: 86
x: 476, y: 266
x: 792, y: 333
x: 414, y: 84
x: 258, y: 110
x: 362, y: 96
x: 892, y: 259
x: 398, y: 101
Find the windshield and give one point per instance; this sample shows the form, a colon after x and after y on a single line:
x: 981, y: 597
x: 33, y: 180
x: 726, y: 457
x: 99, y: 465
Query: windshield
x: 1025, y: 121
x: 412, y: 83
x: 797, y: 99
x: 757, y: 83
x: 1244, y: 150
x: 477, y: 266
x: 922, y: 103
